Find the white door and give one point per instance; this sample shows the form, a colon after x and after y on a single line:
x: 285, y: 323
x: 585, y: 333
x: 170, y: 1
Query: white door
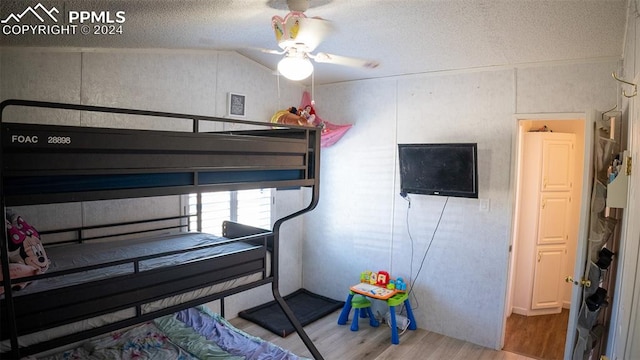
x: 574, y: 341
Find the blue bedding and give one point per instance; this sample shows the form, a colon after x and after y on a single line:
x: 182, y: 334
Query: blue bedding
x: 190, y: 334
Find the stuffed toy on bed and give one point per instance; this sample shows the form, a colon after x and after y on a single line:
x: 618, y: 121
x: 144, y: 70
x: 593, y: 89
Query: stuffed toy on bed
x: 289, y: 116
x: 24, y: 245
x: 26, y: 253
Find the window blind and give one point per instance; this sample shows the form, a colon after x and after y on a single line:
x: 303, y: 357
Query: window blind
x: 250, y: 207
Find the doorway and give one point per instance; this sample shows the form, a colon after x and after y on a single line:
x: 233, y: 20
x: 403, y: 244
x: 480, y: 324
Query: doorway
x: 522, y: 318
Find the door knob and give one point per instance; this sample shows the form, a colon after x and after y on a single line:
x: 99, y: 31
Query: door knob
x: 582, y: 282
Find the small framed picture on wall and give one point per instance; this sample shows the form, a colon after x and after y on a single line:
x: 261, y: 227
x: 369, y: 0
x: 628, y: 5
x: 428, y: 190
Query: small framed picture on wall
x: 237, y: 105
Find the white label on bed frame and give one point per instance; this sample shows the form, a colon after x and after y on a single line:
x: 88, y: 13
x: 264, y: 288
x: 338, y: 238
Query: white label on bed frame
x: 24, y: 139
x: 59, y: 140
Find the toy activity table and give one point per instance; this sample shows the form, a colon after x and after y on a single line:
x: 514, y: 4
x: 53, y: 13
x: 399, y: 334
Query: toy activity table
x: 393, y: 299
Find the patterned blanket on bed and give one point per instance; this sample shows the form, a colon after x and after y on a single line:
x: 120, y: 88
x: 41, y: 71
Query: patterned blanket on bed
x: 195, y: 333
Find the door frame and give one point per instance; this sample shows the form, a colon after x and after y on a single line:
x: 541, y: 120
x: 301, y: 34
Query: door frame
x: 623, y: 337
x: 582, y: 243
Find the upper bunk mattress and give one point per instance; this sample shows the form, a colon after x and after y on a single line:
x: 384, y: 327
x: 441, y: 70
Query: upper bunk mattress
x: 101, y: 163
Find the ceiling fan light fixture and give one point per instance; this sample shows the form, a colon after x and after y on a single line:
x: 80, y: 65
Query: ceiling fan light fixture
x: 295, y: 68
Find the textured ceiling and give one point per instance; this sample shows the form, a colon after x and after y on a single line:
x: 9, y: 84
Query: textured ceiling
x: 405, y: 36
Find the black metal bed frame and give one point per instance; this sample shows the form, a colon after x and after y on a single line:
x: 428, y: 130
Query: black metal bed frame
x: 89, y: 163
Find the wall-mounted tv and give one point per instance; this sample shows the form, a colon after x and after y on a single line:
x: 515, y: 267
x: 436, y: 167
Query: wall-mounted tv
x: 439, y: 169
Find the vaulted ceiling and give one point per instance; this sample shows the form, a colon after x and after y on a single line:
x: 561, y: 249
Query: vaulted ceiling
x: 404, y: 36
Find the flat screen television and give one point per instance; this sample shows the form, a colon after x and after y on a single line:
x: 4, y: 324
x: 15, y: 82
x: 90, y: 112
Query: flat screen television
x: 439, y: 169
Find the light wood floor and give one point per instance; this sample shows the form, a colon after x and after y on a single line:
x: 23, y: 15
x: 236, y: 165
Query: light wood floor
x: 542, y: 337
x: 338, y: 342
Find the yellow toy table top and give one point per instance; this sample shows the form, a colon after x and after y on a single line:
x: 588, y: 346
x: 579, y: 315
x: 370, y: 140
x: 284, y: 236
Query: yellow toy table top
x: 374, y: 291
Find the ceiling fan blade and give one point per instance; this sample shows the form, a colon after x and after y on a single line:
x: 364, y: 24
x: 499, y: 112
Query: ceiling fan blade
x: 298, y: 30
x: 312, y: 31
x: 266, y: 51
x: 343, y: 60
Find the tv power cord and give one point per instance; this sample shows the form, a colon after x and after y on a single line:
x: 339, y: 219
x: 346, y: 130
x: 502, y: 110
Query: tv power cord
x: 402, y: 322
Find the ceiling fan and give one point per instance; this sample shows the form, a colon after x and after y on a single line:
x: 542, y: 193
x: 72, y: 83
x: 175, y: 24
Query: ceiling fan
x: 298, y: 36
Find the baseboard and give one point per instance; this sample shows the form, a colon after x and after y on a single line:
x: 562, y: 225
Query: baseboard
x: 534, y: 312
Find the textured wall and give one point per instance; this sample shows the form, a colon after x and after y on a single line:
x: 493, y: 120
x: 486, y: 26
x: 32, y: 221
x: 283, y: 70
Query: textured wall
x: 361, y: 222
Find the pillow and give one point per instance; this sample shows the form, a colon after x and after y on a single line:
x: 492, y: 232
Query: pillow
x: 24, y: 245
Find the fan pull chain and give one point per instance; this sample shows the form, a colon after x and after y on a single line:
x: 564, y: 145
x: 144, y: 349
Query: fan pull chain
x: 278, y: 83
x: 313, y: 78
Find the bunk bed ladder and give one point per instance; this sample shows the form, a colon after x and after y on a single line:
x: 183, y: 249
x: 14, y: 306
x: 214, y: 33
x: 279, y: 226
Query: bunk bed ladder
x: 4, y: 264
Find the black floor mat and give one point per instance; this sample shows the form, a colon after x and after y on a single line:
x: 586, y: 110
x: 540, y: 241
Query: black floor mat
x: 307, y: 306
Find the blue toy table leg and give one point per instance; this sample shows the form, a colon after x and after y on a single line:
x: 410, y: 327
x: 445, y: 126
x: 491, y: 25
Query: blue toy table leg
x: 354, y: 323
x: 395, y: 339
x: 346, y: 309
x: 396, y: 300
x: 412, y: 320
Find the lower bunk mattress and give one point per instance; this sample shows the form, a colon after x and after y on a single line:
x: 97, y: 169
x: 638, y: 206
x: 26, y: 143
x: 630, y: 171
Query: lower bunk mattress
x: 195, y: 333
x: 79, y: 256
x: 195, y: 246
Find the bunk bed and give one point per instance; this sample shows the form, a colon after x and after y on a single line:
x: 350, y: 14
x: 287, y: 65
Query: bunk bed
x: 58, y: 164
